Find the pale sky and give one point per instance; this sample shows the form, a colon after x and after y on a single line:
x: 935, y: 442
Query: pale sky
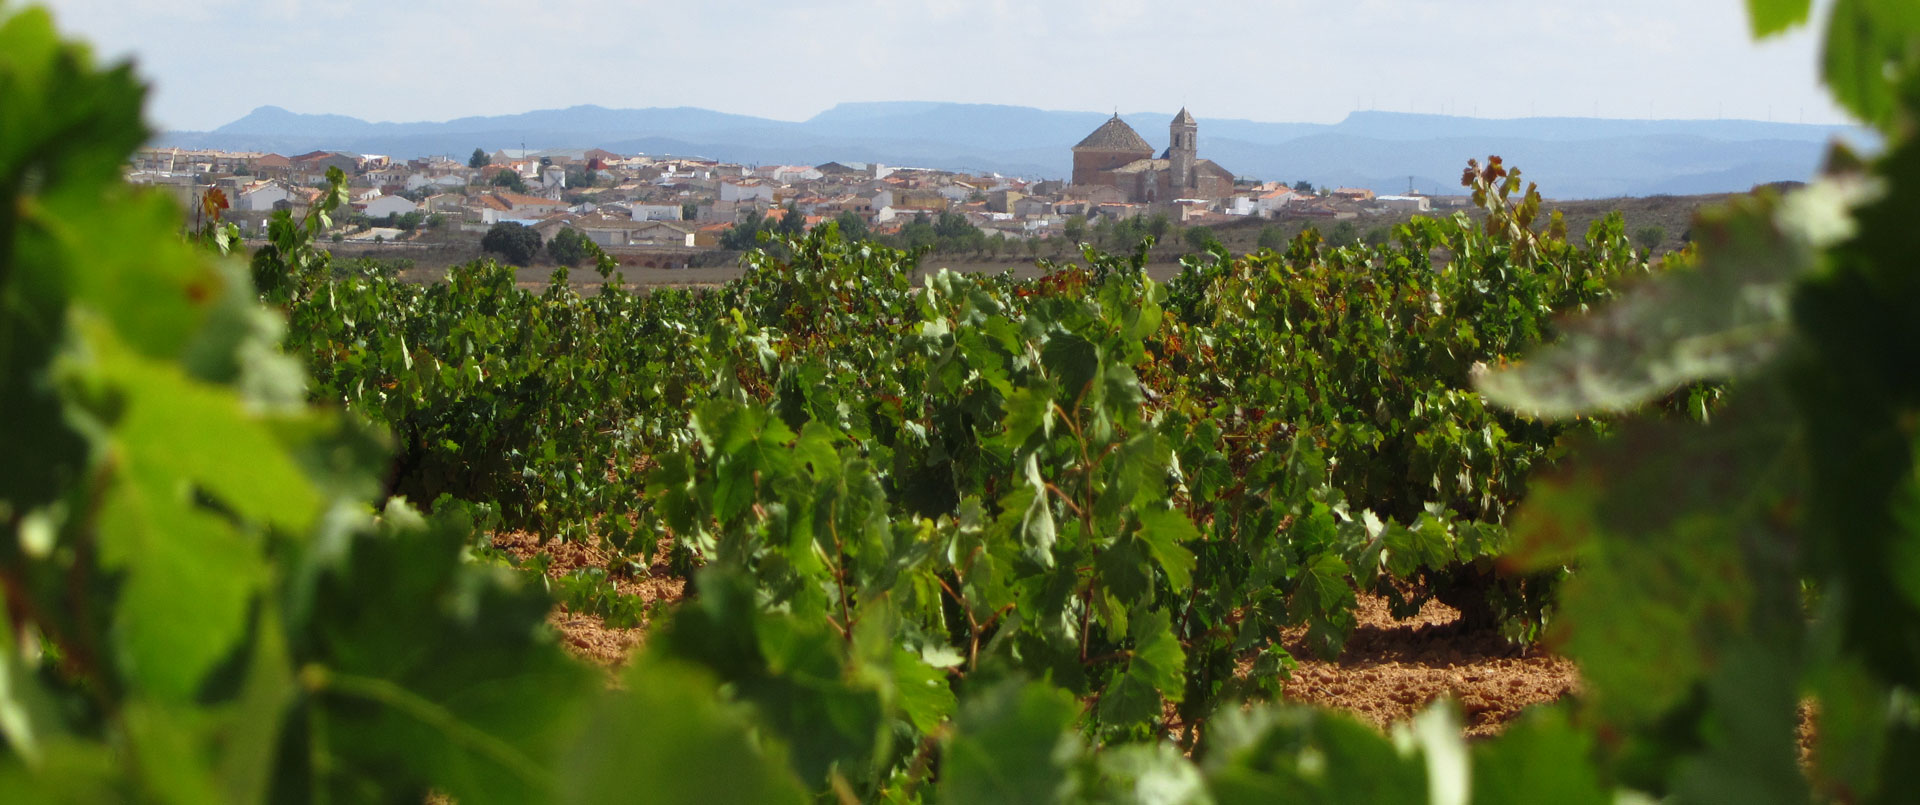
x: 212, y: 61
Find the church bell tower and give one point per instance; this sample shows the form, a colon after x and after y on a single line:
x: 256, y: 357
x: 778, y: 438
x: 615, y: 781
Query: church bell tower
x: 1182, y: 150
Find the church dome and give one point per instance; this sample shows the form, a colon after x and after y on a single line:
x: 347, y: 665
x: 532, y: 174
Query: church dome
x: 1114, y: 135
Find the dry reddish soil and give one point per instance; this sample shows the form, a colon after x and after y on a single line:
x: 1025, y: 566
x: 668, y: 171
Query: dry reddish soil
x: 584, y: 634
x: 1389, y: 671
x: 1392, y: 669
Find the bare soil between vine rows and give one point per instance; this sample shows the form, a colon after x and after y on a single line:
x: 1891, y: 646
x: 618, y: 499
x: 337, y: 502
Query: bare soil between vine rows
x: 1392, y: 669
x: 586, y: 635
x: 1389, y: 670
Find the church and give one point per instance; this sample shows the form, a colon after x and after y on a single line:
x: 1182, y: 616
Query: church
x: 1116, y: 156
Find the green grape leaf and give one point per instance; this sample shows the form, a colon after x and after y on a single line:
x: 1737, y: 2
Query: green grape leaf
x: 807, y: 697
x: 1158, y: 658
x: 69, y: 772
x: 1074, y: 362
x: 1028, y: 512
x: 177, y: 430
x: 1147, y: 773
x: 1868, y: 51
x: 1125, y: 572
x: 166, y: 742
x: 1128, y: 699
x: 1752, y: 752
x: 1436, y: 732
x: 1540, y: 758
x: 157, y: 297
x: 1325, y: 601
x: 1012, y: 743
x: 190, y: 571
x: 794, y: 673
x: 1029, y: 409
x: 746, y: 442
x: 251, y: 741
x: 1903, y: 555
x: 1155, y: 670
x: 189, y: 579
x: 1165, y: 532
x: 28, y: 717
x: 57, y: 98
x: 1771, y: 17
x: 924, y: 693
x: 1273, y: 754
x: 1655, y: 519
x: 667, y: 737
x: 469, y: 694
x: 1426, y: 544
x: 1719, y: 320
x: 1850, y: 742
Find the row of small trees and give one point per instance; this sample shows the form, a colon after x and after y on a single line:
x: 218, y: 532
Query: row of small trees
x: 952, y: 233
x: 946, y: 233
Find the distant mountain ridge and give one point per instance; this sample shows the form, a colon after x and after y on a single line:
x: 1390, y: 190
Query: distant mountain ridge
x: 1384, y: 151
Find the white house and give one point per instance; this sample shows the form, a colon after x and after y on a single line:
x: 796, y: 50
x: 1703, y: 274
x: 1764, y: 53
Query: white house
x: 534, y: 207
x: 749, y: 189
x: 384, y: 206
x: 605, y: 232
x: 663, y: 233
x: 1030, y: 206
x: 789, y: 174
x: 1404, y: 203
x: 444, y: 202
x: 1256, y: 204
x: 609, y: 232
x: 1269, y: 204
x: 390, y: 174
x: 646, y: 211
x: 445, y: 181
x: 262, y: 196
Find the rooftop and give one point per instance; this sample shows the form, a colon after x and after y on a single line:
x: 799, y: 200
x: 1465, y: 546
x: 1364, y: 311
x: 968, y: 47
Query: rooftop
x: 1114, y: 135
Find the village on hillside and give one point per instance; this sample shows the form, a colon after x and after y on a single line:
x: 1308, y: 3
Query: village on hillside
x: 674, y: 208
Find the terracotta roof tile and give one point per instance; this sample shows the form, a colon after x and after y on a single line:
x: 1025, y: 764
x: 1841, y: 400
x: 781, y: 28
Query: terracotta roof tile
x: 518, y: 200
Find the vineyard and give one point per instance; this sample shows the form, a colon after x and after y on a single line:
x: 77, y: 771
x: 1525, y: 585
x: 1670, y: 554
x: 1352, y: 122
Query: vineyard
x: 972, y: 539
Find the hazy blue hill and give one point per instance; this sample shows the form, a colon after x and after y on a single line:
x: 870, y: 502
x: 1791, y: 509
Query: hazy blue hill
x: 979, y: 125
x: 1596, y: 168
x: 1405, y: 126
x: 1569, y: 157
x: 867, y: 111
x: 273, y: 121
x: 598, y: 119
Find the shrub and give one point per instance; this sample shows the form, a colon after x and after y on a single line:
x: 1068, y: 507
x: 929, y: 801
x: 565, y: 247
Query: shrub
x: 569, y: 247
x: 515, y: 243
